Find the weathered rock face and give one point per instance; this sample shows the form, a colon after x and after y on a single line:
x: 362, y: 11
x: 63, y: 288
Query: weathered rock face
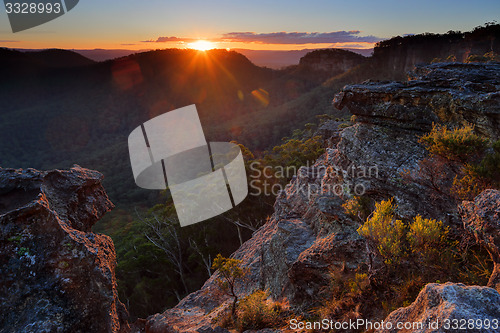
x: 438, y: 306
x: 56, y: 275
x: 451, y: 93
x: 482, y: 218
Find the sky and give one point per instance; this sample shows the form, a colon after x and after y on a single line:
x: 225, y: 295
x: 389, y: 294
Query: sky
x: 256, y: 24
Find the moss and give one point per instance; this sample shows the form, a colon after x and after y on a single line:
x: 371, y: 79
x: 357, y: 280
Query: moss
x: 16, y: 239
x: 22, y: 251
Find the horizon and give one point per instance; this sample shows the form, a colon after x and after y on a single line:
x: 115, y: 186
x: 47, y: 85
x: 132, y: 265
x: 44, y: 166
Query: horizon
x: 125, y: 25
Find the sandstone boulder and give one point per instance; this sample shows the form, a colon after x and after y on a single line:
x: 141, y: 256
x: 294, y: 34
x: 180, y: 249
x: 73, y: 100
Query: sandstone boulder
x: 439, y: 307
x: 56, y: 275
x: 481, y: 217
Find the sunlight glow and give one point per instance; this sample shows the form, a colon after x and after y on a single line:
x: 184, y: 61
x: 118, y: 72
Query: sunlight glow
x: 202, y: 45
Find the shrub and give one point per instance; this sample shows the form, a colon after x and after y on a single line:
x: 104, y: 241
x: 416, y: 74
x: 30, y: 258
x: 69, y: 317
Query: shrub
x: 426, y: 237
x: 489, y: 168
x: 492, y: 56
x: 359, y: 284
x: 345, y: 295
x: 257, y: 312
x: 477, y: 177
x: 451, y: 58
x: 458, y: 144
x: 295, y: 153
x: 476, y: 58
x: 468, y: 185
x: 385, y: 231
x: 357, y: 207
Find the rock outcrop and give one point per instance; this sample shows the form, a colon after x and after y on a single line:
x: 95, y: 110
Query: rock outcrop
x: 442, y: 308
x: 452, y: 93
x: 482, y: 218
x: 310, y: 236
x: 56, y: 275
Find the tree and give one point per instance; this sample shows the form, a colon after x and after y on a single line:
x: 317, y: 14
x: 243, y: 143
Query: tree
x: 163, y: 234
x: 230, y: 272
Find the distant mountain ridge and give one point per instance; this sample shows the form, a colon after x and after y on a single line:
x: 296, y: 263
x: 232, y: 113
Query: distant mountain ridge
x: 275, y: 59
x: 15, y: 62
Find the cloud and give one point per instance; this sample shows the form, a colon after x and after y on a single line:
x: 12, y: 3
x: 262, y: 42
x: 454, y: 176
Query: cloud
x: 169, y: 39
x: 299, y: 37
x: 9, y: 41
x: 280, y: 38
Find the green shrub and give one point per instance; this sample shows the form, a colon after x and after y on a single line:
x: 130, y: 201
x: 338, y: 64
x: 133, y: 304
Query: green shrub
x: 385, y: 231
x: 468, y: 185
x: 489, y: 168
x: 257, y: 312
x: 359, y: 284
x: 426, y: 238
x: 344, y: 296
x: 476, y: 58
x: 451, y: 58
x: 476, y: 177
x: 458, y: 144
x: 295, y: 153
x: 492, y: 56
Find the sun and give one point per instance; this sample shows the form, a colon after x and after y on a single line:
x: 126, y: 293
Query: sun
x: 202, y: 45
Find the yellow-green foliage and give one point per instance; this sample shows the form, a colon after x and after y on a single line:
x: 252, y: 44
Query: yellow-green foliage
x: 257, y: 312
x: 344, y: 295
x: 358, y: 284
x: 476, y: 58
x: 492, y: 56
x: 457, y: 144
x: 451, y: 58
x: 296, y: 152
x: 230, y: 272
x: 357, y: 207
x: 385, y: 231
x: 489, y: 168
x: 469, y: 185
x: 488, y: 56
x: 476, y: 177
x: 426, y: 237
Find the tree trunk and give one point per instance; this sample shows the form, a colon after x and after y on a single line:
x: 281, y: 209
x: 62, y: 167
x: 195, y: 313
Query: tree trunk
x: 233, y: 308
